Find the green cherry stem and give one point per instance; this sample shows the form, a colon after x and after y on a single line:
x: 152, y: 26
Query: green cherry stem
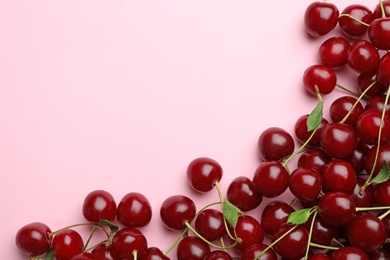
x: 354, y: 18
x: 310, y: 234
x: 347, y: 90
x: 382, y: 9
x: 372, y: 208
x: 323, y: 247
x: 96, y: 226
x: 89, y: 238
x: 384, y: 214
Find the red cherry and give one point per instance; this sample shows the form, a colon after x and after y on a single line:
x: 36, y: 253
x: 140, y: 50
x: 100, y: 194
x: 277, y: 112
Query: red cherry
x: 352, y: 28
x: 338, y: 175
x: 33, y: 239
x: 303, y: 134
x: 176, y: 210
x: 368, y: 125
x: 333, y: 52
x: 358, y: 157
x: 383, y: 156
x: 369, y: 79
x: 379, y: 33
x: 364, y: 199
x: 378, y: 103
x: 84, y: 256
x: 274, y: 144
x: 380, y: 254
x: 383, y: 72
x: 377, y: 12
x: 99, y: 205
x: 252, y: 251
x: 127, y: 242
x: 341, y: 106
x: 218, y: 255
x: 349, y: 252
x: 382, y: 193
x: 153, y: 253
x: 271, y: 179
x: 322, y: 232
x: 66, y: 244
x: 248, y: 230
x: 337, y: 208
x: 305, y: 184
x: 102, y: 252
x: 210, y: 224
x: 202, y: 173
x: 134, y: 210
x: 363, y: 57
x: 242, y: 193
x: 313, y: 159
x: 275, y: 214
x: 193, y: 248
x: 320, y: 18
x: 319, y: 76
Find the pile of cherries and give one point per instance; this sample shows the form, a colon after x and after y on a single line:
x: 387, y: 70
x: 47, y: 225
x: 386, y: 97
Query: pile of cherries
x: 340, y: 186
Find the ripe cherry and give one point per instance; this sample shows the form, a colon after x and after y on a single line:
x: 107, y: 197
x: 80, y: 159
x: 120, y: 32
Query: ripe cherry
x: 210, y: 224
x: 242, y: 193
x: 382, y: 253
x: 383, y: 156
x: 369, y: 79
x: 176, y: 210
x: 274, y: 144
x: 349, y: 252
x: 377, y: 12
x: 305, y: 184
x: 218, y: 255
x: 379, y: 33
x: 192, y: 247
x: 322, y: 232
x: 378, y: 103
x: 364, y: 199
x: 383, y: 72
x: 313, y: 159
x: 153, y: 253
x: 302, y: 133
x: 202, y: 173
x: 319, y: 76
x: 102, y: 252
x: 341, y: 106
x: 99, y: 205
x: 363, y: 57
x: 352, y: 28
x: 333, y: 52
x: 357, y: 158
x: 84, y: 256
x: 274, y: 214
x: 252, y: 251
x: 382, y: 193
x: 129, y: 243
x: 320, y: 18
x: 337, y: 208
x: 368, y: 125
x: 33, y: 239
x: 66, y: 244
x: 248, y: 230
x: 134, y: 210
x: 338, y: 175
x: 271, y: 179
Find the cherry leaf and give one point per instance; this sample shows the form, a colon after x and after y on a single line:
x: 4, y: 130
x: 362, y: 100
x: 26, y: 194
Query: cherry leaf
x: 230, y: 213
x: 383, y: 175
x: 49, y: 254
x: 114, y: 228
x: 315, y: 117
x: 300, y: 216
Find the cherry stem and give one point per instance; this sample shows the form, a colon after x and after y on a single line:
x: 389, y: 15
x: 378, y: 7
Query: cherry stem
x: 80, y: 225
x: 135, y: 254
x: 372, y: 208
x: 89, y: 238
x: 347, y: 90
x: 354, y: 18
x: 323, y: 247
x: 310, y: 234
x: 382, y: 9
x: 384, y: 214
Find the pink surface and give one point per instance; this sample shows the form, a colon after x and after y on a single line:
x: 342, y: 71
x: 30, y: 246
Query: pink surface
x: 122, y: 95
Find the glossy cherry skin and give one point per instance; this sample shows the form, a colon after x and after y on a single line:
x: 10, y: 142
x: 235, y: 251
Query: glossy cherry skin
x: 338, y: 140
x: 319, y: 76
x: 248, y: 230
x: 102, y: 252
x: 218, y: 255
x: 305, y: 184
x: 66, y: 244
x: 274, y: 214
x: 337, y: 208
x: 293, y: 245
x: 202, y: 173
x: 274, y: 144
x: 242, y: 193
x: 302, y: 133
x: 192, y: 247
x: 383, y: 72
x: 176, y: 210
x: 341, y: 106
x: 252, y: 251
x: 134, y: 210
x: 382, y: 193
x: 33, y: 239
x: 377, y: 12
x: 357, y: 158
x: 271, y: 179
x: 84, y: 256
x: 127, y: 242
x: 153, y: 253
x: 352, y: 28
x: 320, y: 18
x: 210, y: 224
x: 338, y: 175
x: 333, y: 52
x: 366, y: 80
x: 367, y: 232
x: 364, y: 199
x: 378, y: 103
x: 99, y: 205
x: 314, y: 159
x: 349, y: 253
x: 363, y: 57
x: 322, y: 232
x: 379, y: 33
x: 383, y: 156
x: 368, y: 125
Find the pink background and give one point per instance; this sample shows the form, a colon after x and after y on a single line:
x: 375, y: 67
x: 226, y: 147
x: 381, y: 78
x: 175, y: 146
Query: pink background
x: 122, y: 95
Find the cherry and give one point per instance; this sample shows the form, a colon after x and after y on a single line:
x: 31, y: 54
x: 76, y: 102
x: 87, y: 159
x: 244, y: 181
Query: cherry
x: 66, y: 244
x: 99, y: 205
x: 383, y: 72
x: 248, y: 230
x: 218, y: 255
x: 352, y: 28
x: 349, y: 252
x: 382, y: 253
x: 128, y: 242
x: 367, y: 232
x: 338, y: 175
x: 242, y: 193
x: 134, y: 210
x: 102, y: 252
x: 338, y: 140
x: 368, y: 125
x: 356, y: 159
x: 176, y: 210
x: 378, y: 103
x: 319, y: 76
x: 341, y: 106
x: 382, y: 193
x: 364, y: 199
x: 377, y: 12
x: 192, y: 247
x: 293, y: 245
x: 337, y: 208
x: 210, y: 224
x: 271, y: 179
x: 305, y: 184
x: 274, y: 144
x: 274, y: 214
x: 379, y: 33
x: 313, y: 159
x: 33, y: 239
x: 366, y: 80
x: 363, y: 57
x: 202, y: 173
x: 383, y: 156
x: 333, y: 52
x: 252, y: 251
x: 320, y: 18
x: 322, y: 232
x: 153, y: 253
x: 302, y: 133
x: 84, y: 256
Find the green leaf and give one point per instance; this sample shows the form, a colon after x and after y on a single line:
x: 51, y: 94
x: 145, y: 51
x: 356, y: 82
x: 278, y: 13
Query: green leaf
x: 383, y: 174
x: 315, y: 117
x: 300, y: 216
x: 114, y: 228
x: 230, y: 213
x: 49, y: 254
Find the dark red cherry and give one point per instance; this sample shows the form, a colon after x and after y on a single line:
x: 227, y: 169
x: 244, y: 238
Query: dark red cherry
x: 383, y: 72
x: 218, y: 255
x: 320, y: 18
x: 377, y: 12
x: 322, y: 232
x: 339, y: 175
x: 352, y: 28
x: 271, y: 179
x: 248, y: 230
x: 379, y: 33
x: 319, y: 76
x: 305, y: 184
x: 129, y: 243
x: 202, y: 173
x: 313, y: 159
x: 357, y: 158
x: 337, y: 208
x: 333, y: 52
x: 66, y: 244
x: 364, y: 199
x: 193, y: 248
x: 254, y: 250
x: 338, y: 140
x: 102, y: 252
x: 349, y: 253
x: 210, y: 224
x: 341, y: 106
x: 378, y: 103
x: 382, y: 193
x: 33, y: 239
x: 274, y: 214
x: 382, y: 253
x: 383, y: 156
x: 293, y: 245
x: 367, y: 83
x: 99, y: 205
x: 242, y: 193
x: 134, y: 210
x: 274, y: 144
x: 176, y: 210
x: 84, y: 256
x: 153, y: 253
x: 302, y: 133
x: 368, y: 125
x: 363, y: 57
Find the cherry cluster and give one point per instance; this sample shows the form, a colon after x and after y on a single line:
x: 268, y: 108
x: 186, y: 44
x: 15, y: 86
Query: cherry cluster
x: 341, y: 184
